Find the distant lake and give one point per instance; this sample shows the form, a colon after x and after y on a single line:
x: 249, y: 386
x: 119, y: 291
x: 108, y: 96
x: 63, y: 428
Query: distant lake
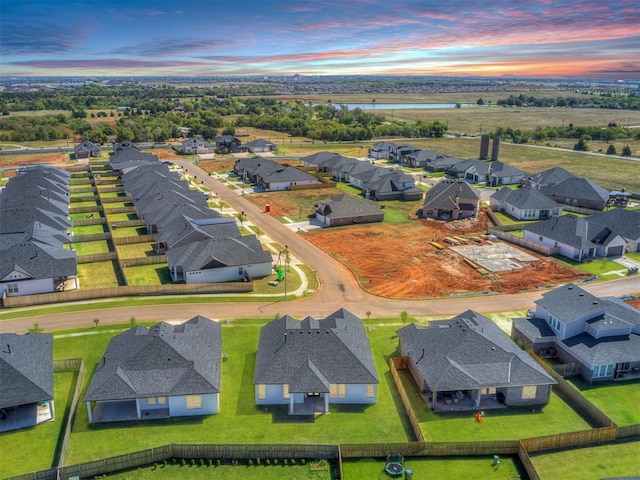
x: 398, y: 106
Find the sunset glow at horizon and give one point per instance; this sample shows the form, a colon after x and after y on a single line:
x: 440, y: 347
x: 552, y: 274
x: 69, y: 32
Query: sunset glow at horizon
x: 537, y: 38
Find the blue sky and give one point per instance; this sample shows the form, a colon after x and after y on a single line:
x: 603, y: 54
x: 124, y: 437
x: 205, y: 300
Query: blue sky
x: 541, y: 38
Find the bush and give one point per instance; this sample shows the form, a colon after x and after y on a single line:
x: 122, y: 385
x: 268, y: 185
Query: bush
x: 267, y: 462
x: 250, y: 462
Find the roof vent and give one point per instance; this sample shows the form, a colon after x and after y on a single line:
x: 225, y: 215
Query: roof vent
x: 493, y: 348
x: 595, y: 303
x: 582, y: 294
x: 570, y: 287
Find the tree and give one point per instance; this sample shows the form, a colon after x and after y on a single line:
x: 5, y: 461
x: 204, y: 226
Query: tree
x: 458, y: 105
x: 480, y: 102
x: 626, y: 151
x: 611, y: 150
x: 581, y: 145
x: 36, y: 328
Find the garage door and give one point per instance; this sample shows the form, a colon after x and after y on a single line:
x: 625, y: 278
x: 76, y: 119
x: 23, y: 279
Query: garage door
x: 615, y: 251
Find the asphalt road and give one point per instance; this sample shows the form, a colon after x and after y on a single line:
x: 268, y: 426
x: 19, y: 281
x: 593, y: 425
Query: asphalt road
x: 338, y: 287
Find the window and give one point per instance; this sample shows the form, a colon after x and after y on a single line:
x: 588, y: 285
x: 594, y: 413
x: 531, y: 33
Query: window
x: 371, y: 390
x: 194, y: 402
x: 333, y: 390
x: 488, y: 391
x: 529, y: 392
x: 600, y: 371
x: 342, y: 390
x: 262, y: 391
x: 12, y: 288
x: 151, y: 400
x: 162, y: 400
x: 285, y: 390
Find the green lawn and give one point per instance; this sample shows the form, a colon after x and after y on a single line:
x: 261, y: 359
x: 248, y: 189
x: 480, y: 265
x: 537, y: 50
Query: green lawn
x: 129, y: 232
x: 89, y: 229
x: 156, y: 274
x: 507, y: 219
x: 91, y: 248
x: 121, y: 217
x: 634, y: 256
x: 35, y: 448
x: 619, y: 400
x: 428, y: 468
x: 602, y: 267
x: 239, y: 421
x: 593, y: 463
x: 92, y: 203
x: 136, y: 250
x: 99, y: 275
x: 228, y: 472
x: 82, y: 216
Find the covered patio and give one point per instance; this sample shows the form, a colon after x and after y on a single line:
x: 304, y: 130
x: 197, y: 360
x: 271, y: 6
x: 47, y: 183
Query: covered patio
x: 122, y: 411
x: 461, y: 400
x: 24, y: 416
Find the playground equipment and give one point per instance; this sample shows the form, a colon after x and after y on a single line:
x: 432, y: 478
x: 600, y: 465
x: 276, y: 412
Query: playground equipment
x: 394, y: 466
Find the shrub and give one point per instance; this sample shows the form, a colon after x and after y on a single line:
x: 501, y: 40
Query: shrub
x: 302, y: 461
x: 193, y: 462
x: 250, y: 462
x: 267, y: 462
x: 183, y: 462
x: 201, y: 462
x: 217, y: 462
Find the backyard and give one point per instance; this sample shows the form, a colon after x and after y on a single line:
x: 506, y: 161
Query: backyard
x: 620, y: 401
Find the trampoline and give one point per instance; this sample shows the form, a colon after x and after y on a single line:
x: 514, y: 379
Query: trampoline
x: 394, y: 466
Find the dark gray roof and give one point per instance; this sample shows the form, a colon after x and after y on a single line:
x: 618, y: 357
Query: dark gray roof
x: 469, y: 351
x: 551, y: 176
x: 603, y: 351
x: 500, y: 169
x: 577, y: 187
x: 574, y: 231
x: 20, y: 218
x: 164, y: 201
x: 624, y: 222
x: 17, y: 198
x: 525, y: 198
x: 348, y: 206
x: 319, y: 158
x: 88, y: 146
x: 535, y: 327
x: 443, y: 194
x: 287, y: 174
x: 183, y: 230
x: 259, y: 142
x: 37, y: 232
x: 311, y: 354
x: 425, y: 155
x: 216, y: 253
x: 444, y: 163
x: 164, y: 360
x: 35, y: 260
x: 482, y: 167
x: 26, y: 368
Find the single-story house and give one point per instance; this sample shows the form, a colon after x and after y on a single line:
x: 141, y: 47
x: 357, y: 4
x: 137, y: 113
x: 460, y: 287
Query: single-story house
x: 228, y: 259
x: 196, y: 145
x: 308, y: 365
x: 442, y: 164
x: 87, y: 149
x: 502, y: 174
x: 260, y: 145
x: 421, y: 158
x: 547, y: 177
x: 318, y: 159
x: 451, y: 200
x: 468, y: 363
x: 524, y: 203
x: 472, y: 170
x: 285, y: 178
x: 625, y: 223
x: 159, y: 372
x: 26, y: 380
x: 577, y: 238
x: 578, y: 192
x: 346, y: 210
x: 601, y: 335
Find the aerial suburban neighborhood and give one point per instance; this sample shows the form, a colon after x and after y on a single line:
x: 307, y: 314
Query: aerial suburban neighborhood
x: 250, y: 297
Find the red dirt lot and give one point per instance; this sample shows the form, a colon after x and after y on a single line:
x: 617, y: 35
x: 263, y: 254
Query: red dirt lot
x: 635, y: 302
x: 397, y: 261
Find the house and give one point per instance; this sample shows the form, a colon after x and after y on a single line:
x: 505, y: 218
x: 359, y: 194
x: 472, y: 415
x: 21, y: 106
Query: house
x: 260, y: 145
x: 159, y: 372
x: 502, y: 174
x: 578, y: 192
x: 228, y: 144
x: 399, y: 153
x: 625, y: 223
x: 392, y: 184
x: 310, y: 364
x: 472, y: 170
x: 442, y: 164
x: 524, y: 203
x: 346, y: 210
x: 548, y: 177
x: 318, y: 159
x: 468, y: 363
x: 451, y: 200
x: 184, y: 230
x: 196, y: 145
x: 221, y: 259
x: 577, y: 238
x: 381, y: 149
x: 285, y: 178
x: 26, y: 375
x: 87, y: 149
x: 600, y: 335
x: 421, y: 158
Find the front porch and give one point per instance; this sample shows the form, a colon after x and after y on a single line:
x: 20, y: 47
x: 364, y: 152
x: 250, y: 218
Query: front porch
x: 25, y: 416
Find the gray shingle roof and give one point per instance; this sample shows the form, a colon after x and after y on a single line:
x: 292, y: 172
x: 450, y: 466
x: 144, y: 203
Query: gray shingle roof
x: 500, y: 169
x: 577, y: 187
x: 26, y: 368
x: 345, y: 205
x: 525, y: 198
x: 469, y: 351
x: 287, y: 174
x: 311, y: 354
x: 624, y: 222
x: 183, y: 230
x: 164, y: 360
x: 574, y: 231
x: 37, y: 260
x: 550, y: 177
x: 443, y: 194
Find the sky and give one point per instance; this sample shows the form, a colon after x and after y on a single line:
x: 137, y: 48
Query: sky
x: 531, y: 38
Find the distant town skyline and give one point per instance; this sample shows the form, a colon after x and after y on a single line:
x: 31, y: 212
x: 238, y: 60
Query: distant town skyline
x: 534, y: 38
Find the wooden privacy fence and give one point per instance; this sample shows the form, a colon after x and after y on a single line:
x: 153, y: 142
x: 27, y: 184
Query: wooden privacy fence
x: 570, y: 439
x: 430, y: 449
x: 83, y: 222
x: 97, y: 257
x: 129, y: 223
x: 127, y: 291
x: 91, y: 237
x: 535, y: 246
x: 92, y: 198
x: 90, y: 209
x: 70, y: 365
x: 524, y: 458
x: 134, y: 239
x: 629, y: 431
x: 123, y: 198
x: 112, y: 211
x: 140, y: 261
x: 400, y: 363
